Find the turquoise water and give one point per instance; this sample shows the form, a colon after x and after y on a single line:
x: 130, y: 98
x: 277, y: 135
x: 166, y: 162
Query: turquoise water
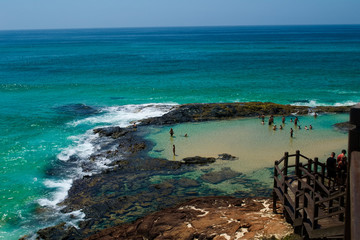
x: 56, y: 85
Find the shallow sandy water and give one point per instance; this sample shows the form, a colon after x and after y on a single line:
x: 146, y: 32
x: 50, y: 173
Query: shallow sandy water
x: 257, y: 146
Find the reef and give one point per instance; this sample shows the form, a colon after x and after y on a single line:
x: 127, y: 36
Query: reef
x: 135, y: 185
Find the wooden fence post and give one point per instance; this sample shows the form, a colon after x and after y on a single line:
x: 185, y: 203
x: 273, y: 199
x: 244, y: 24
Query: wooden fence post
x: 275, y: 186
x: 286, y: 163
x: 297, y: 161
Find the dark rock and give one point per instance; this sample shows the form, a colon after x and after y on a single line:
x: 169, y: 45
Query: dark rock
x: 187, y: 182
x: 226, y: 156
x: 77, y: 109
x: 344, y: 126
x: 114, y: 132
x: 199, y: 160
x: 216, y: 111
x: 220, y: 176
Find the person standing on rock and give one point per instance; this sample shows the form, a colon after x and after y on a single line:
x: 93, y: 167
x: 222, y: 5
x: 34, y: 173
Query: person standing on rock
x: 171, y: 132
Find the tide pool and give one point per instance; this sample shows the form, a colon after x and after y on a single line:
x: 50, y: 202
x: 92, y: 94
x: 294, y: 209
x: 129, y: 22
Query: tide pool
x: 255, y: 145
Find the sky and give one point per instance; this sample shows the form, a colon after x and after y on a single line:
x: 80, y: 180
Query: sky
x: 55, y: 14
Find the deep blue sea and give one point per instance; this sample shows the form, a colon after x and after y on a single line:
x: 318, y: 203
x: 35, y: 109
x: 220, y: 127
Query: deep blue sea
x: 57, y: 85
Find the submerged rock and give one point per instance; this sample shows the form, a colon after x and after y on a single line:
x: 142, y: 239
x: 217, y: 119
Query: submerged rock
x: 199, y: 160
x: 220, y: 176
x: 77, y: 109
x: 226, y: 156
x: 344, y: 126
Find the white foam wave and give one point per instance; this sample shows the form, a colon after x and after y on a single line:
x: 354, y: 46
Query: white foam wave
x: 347, y: 103
x: 314, y: 103
x: 122, y: 115
x: 82, y: 147
x: 62, y: 187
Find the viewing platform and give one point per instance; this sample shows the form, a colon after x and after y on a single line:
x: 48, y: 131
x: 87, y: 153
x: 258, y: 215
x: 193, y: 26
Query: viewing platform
x: 316, y: 205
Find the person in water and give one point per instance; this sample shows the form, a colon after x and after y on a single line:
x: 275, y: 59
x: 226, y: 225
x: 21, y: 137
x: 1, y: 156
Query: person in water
x: 174, y: 149
x: 310, y: 127
x: 291, y: 132
x: 283, y: 119
x: 274, y: 128
x: 281, y: 127
x: 171, y: 132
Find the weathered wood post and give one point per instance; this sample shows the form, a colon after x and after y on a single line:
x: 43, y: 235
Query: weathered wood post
x: 351, y: 222
x: 323, y: 175
x: 297, y: 161
x: 275, y: 186
x: 286, y: 163
x: 316, y: 212
x: 316, y: 164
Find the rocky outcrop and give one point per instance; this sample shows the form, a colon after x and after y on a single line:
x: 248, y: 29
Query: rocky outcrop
x: 206, y: 218
x: 216, y: 111
x: 225, y: 156
x: 199, y: 160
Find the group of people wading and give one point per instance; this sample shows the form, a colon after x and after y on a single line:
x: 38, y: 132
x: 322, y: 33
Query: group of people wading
x: 337, y: 168
x: 296, y: 123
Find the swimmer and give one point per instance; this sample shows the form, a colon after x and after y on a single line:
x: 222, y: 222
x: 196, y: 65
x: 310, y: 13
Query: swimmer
x: 291, y: 120
x: 274, y: 128
x: 296, y: 121
x: 185, y: 135
x: 306, y: 128
x: 315, y: 115
x: 171, y: 132
x: 281, y: 127
x: 299, y: 127
x: 310, y: 127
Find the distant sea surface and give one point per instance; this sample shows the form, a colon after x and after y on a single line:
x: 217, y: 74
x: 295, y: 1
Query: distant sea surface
x: 57, y: 85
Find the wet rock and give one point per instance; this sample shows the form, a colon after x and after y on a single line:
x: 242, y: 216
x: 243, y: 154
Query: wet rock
x: 226, y: 156
x: 344, y: 126
x: 220, y: 176
x: 217, y: 111
x: 77, y: 109
x: 187, y: 182
x: 199, y: 160
x: 114, y: 132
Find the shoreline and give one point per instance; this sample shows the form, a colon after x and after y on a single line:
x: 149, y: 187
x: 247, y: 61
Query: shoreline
x: 110, y: 208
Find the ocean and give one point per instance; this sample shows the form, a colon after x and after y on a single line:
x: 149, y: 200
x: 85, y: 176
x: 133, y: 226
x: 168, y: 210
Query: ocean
x: 57, y: 85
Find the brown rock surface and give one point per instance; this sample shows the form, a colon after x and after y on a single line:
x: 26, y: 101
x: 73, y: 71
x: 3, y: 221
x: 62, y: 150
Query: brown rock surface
x: 206, y: 218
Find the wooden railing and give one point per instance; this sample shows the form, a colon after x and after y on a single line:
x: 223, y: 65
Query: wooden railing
x: 308, y: 194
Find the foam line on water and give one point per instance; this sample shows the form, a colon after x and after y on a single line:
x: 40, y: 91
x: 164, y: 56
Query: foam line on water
x: 62, y: 187
x: 122, y: 115
x: 314, y: 103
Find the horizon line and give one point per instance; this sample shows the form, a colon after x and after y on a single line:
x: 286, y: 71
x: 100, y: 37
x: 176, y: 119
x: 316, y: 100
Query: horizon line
x: 185, y: 26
